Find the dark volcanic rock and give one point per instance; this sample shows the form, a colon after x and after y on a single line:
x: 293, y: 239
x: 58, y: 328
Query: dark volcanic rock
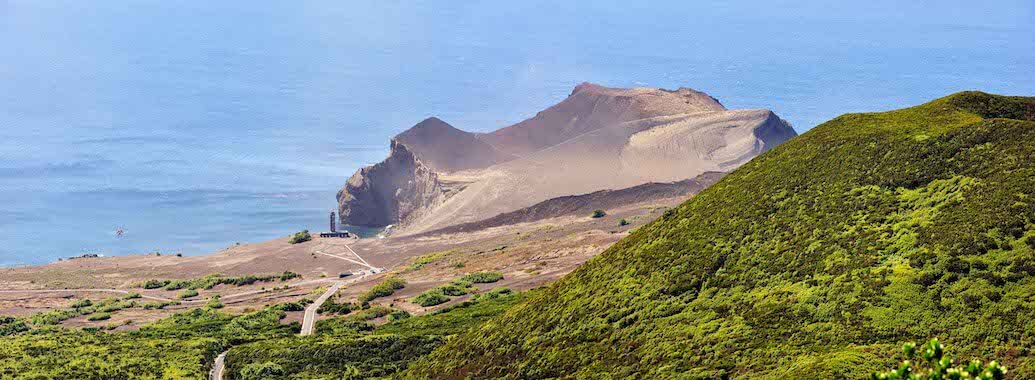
x: 389, y: 191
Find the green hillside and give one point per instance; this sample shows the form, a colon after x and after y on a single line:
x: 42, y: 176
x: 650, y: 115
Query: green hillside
x: 815, y: 260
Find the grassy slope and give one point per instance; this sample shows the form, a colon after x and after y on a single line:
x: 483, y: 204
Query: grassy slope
x: 179, y: 347
x: 812, y: 261
x: 365, y: 351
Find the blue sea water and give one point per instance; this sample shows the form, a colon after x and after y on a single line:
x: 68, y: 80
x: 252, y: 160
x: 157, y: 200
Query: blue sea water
x: 197, y: 124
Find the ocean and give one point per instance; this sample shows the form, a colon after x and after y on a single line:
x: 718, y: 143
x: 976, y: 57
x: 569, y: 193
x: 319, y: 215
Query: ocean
x: 194, y: 125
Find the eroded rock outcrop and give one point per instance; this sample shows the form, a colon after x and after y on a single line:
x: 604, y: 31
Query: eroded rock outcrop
x: 389, y: 191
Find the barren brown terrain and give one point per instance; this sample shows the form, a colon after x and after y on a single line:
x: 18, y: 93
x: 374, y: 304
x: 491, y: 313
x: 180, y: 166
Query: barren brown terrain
x: 528, y: 254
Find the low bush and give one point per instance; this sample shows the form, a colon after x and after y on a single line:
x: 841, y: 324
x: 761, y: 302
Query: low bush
x: 11, y: 326
x: 599, y: 213
x: 383, y: 289
x: 214, y: 303
x: 77, y: 304
x: 301, y: 237
x: 258, y: 371
x: 332, y: 307
x: 431, y: 298
x: 102, y: 316
x: 483, y: 277
x: 290, y: 306
x: 931, y: 362
x: 187, y: 294
x: 155, y: 284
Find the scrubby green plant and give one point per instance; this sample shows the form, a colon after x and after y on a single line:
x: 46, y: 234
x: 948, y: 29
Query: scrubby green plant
x: 492, y: 294
x: 213, y: 280
x: 100, y: 316
x: 77, y: 304
x: 11, y: 326
x: 291, y: 306
x: 397, y: 315
x: 931, y: 362
x: 132, y: 296
x: 623, y: 223
x: 383, y: 289
x: 598, y: 213
x: 187, y: 294
x: 214, y: 303
x: 333, y: 307
x: 431, y: 298
x: 260, y: 371
x: 157, y: 305
x: 154, y: 284
x: 483, y: 277
x: 301, y: 237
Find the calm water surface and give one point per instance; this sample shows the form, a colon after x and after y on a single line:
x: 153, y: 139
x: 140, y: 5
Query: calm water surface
x: 194, y: 124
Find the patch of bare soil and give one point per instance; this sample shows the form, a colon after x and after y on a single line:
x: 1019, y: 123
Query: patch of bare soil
x: 529, y: 255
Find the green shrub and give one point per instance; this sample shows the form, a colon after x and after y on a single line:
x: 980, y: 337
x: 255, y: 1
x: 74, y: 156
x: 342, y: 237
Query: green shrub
x: 156, y: 305
x: 132, y: 296
x: 483, y: 277
x: 598, y: 213
x: 301, y: 237
x: 291, y: 306
x: 187, y: 294
x: 623, y: 222
x: 383, y: 289
x: 493, y: 294
x: 102, y: 316
x: 259, y: 371
x: 431, y: 298
x: 332, y: 307
x: 155, y: 284
x: 398, y: 315
x: 11, y: 326
x: 213, y: 303
x: 931, y: 362
x: 77, y: 304
x: 457, y: 288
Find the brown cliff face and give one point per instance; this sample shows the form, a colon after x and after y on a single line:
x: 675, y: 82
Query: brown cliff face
x: 390, y: 191
x: 444, y: 149
x: 597, y: 138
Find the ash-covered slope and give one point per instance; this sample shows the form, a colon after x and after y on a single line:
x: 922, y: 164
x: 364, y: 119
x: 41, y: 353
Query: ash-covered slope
x: 591, y: 107
x: 814, y: 261
x: 446, y: 149
x: 596, y: 139
x: 585, y: 204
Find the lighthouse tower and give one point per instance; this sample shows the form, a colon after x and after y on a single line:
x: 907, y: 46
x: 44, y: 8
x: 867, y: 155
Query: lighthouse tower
x: 333, y: 227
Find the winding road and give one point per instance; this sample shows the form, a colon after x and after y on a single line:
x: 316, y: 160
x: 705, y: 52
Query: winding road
x: 309, y: 318
x: 309, y: 321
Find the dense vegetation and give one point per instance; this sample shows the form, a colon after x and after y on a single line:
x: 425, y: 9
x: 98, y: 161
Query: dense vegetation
x: 11, y: 326
x: 811, y: 261
x: 179, y: 347
x: 933, y: 363
x: 483, y: 277
x: 96, y: 310
x: 383, y: 289
x: 300, y: 237
x: 211, y: 281
x: 352, y: 347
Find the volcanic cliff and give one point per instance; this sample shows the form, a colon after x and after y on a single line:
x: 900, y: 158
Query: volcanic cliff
x: 598, y: 138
